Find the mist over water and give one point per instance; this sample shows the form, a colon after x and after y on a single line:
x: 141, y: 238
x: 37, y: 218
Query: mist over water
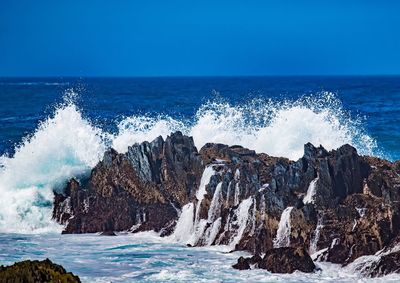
x: 67, y: 145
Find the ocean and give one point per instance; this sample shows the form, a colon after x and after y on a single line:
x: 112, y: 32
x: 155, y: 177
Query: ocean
x: 53, y: 129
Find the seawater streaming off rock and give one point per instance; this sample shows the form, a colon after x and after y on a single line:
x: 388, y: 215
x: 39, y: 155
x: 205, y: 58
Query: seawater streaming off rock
x: 311, y: 191
x: 317, y: 234
x: 242, y: 214
x: 191, y: 228
x: 283, y: 234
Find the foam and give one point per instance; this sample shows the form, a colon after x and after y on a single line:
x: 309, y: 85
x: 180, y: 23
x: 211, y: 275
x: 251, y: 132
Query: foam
x: 279, y: 128
x: 63, y: 146
x: 67, y: 145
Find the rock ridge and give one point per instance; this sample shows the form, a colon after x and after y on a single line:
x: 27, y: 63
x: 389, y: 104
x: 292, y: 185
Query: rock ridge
x: 338, y: 202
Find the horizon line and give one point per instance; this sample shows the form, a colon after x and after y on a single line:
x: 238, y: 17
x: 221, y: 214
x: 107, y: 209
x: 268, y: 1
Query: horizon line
x: 197, y: 76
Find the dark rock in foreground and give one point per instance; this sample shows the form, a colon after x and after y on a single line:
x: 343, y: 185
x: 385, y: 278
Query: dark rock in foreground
x: 279, y: 260
x: 242, y: 264
x: 287, y: 260
x: 36, y: 271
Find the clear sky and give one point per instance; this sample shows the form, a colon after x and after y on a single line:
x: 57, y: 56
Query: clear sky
x: 184, y: 38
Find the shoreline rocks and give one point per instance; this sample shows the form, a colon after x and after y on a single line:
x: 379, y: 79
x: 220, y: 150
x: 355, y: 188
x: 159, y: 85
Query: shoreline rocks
x: 31, y: 271
x: 335, y: 200
x: 137, y: 191
x: 279, y: 260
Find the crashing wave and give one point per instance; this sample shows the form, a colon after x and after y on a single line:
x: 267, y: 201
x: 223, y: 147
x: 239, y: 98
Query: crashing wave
x: 68, y: 145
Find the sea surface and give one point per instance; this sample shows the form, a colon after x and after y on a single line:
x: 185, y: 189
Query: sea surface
x: 53, y: 129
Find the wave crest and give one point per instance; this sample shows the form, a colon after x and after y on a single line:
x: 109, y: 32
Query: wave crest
x: 67, y: 145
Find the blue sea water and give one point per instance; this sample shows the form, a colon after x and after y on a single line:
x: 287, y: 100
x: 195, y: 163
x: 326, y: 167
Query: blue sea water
x: 26, y: 101
x: 53, y: 129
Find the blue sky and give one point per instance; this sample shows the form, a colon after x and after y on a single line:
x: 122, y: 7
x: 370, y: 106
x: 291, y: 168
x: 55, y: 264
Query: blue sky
x: 185, y: 38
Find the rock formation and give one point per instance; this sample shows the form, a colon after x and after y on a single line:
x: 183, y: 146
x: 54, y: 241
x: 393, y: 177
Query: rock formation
x: 36, y: 271
x: 279, y: 260
x: 139, y: 190
x: 339, y: 203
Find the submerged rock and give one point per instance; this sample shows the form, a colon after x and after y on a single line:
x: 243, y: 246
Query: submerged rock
x: 36, y: 271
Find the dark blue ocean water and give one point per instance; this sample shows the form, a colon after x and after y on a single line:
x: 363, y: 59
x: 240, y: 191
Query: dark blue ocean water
x: 81, y: 117
x: 26, y: 101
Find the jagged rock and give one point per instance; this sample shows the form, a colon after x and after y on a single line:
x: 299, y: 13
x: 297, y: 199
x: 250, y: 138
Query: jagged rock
x: 246, y: 263
x: 139, y: 190
x: 386, y: 264
x: 339, y: 201
x: 287, y: 260
x: 36, y: 271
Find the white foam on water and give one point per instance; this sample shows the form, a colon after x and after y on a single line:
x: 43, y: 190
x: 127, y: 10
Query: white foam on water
x: 185, y: 225
x: 65, y: 145
x: 145, y: 257
x: 284, y: 228
x: 363, y: 263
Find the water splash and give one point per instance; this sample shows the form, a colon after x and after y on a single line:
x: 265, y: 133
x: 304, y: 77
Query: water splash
x: 63, y: 146
x: 67, y: 145
x: 279, y: 128
x: 311, y: 191
x: 284, y: 228
x: 242, y: 218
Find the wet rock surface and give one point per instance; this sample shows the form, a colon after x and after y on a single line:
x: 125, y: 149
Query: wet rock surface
x: 279, y: 260
x: 242, y: 264
x: 336, y: 200
x: 287, y: 260
x: 385, y: 265
x: 36, y: 271
x: 139, y: 190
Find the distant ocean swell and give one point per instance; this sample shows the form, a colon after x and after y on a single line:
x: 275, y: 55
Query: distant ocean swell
x: 67, y: 145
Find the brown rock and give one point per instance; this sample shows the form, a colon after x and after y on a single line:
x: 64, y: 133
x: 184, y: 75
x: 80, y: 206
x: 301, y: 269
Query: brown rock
x: 386, y: 264
x: 287, y: 260
x: 242, y: 264
x: 36, y: 271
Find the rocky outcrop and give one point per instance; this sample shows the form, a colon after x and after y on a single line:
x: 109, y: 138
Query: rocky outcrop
x: 385, y: 265
x: 36, y: 271
x: 338, y: 201
x: 140, y: 190
x: 279, y: 260
x: 287, y: 260
x: 242, y: 264
x: 384, y: 262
